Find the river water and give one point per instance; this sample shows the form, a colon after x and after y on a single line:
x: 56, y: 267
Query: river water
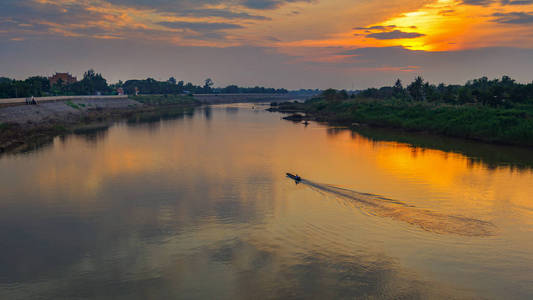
x: 197, y: 206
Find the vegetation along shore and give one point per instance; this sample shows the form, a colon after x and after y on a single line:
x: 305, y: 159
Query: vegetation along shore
x: 497, y: 111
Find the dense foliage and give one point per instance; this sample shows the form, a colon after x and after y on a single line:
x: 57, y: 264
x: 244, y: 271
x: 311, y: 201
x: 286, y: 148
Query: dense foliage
x: 499, y: 110
x: 496, y: 92
x: 36, y: 86
x: 94, y: 84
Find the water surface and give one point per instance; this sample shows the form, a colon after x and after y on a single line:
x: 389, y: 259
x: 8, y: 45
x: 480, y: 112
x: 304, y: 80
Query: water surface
x: 197, y: 205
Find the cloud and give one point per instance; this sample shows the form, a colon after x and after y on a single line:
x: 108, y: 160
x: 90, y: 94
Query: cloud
x: 513, y: 18
x: 226, y: 14
x: 268, y: 4
x: 516, y: 2
x: 502, y: 2
x: 446, y: 12
x: 479, y: 2
x: 113, y: 19
x: 177, y: 6
x: 381, y: 28
x: 200, y: 26
x: 166, y: 5
x: 394, y: 35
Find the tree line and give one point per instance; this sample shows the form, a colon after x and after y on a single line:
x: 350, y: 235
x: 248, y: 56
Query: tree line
x: 171, y: 86
x: 499, y: 92
x: 95, y: 84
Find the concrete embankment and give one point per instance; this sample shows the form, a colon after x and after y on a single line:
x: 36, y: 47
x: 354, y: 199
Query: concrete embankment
x: 24, y: 127
x: 21, y: 101
x: 61, y: 110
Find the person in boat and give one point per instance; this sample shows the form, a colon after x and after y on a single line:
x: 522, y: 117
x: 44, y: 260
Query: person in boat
x: 294, y: 177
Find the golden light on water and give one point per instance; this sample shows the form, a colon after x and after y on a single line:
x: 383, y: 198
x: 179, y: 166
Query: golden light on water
x: 194, y: 184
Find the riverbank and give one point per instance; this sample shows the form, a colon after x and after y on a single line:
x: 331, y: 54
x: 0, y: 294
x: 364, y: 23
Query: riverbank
x: 25, y: 127
x: 513, y: 126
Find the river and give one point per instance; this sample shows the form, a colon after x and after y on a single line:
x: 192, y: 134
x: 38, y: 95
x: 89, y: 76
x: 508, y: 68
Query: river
x: 197, y: 206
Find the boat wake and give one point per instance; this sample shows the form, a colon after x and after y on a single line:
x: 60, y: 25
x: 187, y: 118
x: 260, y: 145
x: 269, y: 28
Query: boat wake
x: 425, y: 219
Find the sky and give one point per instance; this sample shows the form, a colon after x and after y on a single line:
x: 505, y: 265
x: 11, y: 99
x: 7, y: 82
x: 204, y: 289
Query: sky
x: 293, y: 44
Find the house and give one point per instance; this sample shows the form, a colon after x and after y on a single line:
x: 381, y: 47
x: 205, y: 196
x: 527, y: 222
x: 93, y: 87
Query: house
x: 65, y: 78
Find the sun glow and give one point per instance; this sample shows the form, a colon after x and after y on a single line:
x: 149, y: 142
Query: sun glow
x: 450, y: 25
x: 440, y: 26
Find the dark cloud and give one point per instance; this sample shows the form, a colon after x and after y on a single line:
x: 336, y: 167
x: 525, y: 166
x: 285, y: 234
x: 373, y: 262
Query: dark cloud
x: 513, y: 18
x: 268, y: 4
x: 200, y: 26
x: 166, y: 5
x: 221, y: 14
x: 30, y: 20
x: 381, y: 28
x: 177, y: 6
x: 188, y: 8
x: 479, y: 2
x: 273, y: 39
x: 394, y: 35
x: 517, y: 2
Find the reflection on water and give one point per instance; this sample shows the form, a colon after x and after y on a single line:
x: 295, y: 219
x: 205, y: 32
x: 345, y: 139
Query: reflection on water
x: 490, y: 155
x: 92, y: 133
x: 194, y: 204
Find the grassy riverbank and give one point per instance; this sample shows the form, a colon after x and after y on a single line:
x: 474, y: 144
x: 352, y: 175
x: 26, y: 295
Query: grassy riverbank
x: 163, y: 100
x: 512, y: 125
x: 26, y: 127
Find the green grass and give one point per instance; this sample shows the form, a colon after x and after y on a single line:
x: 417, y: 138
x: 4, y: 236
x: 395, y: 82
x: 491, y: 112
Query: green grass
x: 3, y: 126
x: 500, y: 125
x: 159, y: 100
x: 59, y: 128
x: 73, y: 105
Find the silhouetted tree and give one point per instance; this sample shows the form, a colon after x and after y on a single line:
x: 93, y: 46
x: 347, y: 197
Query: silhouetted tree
x: 416, y: 89
x: 398, y: 90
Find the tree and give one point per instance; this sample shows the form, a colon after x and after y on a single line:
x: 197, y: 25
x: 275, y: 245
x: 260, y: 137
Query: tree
x: 343, y: 95
x: 416, y: 89
x: 332, y: 95
x: 398, y: 90
x: 172, y: 80
x: 208, y: 83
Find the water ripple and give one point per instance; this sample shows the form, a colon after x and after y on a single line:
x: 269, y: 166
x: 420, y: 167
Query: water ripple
x: 425, y: 219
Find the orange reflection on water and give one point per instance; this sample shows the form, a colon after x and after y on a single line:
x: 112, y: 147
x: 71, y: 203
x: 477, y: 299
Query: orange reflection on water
x: 450, y: 182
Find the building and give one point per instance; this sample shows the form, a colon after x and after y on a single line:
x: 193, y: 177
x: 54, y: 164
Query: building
x: 120, y: 91
x: 65, y: 78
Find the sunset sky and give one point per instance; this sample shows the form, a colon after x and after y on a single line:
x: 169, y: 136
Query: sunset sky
x: 278, y: 43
